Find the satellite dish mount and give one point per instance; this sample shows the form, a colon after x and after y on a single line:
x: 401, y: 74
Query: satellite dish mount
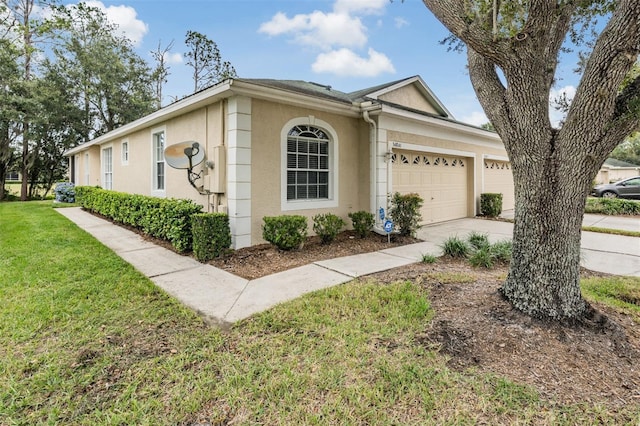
x: 186, y: 155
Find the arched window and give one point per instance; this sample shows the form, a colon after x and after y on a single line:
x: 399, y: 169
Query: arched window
x: 310, y: 161
x: 307, y: 163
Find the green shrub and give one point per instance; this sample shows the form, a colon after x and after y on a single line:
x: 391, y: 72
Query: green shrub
x: 286, y: 232
x: 428, y: 258
x: 327, y: 226
x: 612, y: 206
x: 211, y: 235
x: 362, y: 222
x: 405, y: 212
x: 455, y: 247
x: 487, y: 255
x: 490, y: 204
x: 478, y: 241
x: 65, y: 192
x: 501, y: 251
x: 164, y: 218
x: 482, y: 257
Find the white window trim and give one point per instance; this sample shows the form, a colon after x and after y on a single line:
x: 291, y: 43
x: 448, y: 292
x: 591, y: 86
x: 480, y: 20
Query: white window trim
x: 103, y: 169
x: 289, y: 205
x: 87, y: 180
x: 124, y: 160
x: 154, y: 191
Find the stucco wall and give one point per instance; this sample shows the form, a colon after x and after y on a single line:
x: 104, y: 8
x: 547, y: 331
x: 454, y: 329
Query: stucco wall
x: 409, y: 96
x: 268, y: 121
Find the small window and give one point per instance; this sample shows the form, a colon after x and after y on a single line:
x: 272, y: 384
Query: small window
x: 125, y: 153
x: 107, y: 168
x: 158, y: 161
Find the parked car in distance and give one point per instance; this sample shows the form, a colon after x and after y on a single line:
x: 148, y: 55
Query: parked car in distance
x: 626, y: 188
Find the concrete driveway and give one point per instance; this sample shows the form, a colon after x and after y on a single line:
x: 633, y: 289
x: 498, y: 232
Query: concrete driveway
x: 613, y: 254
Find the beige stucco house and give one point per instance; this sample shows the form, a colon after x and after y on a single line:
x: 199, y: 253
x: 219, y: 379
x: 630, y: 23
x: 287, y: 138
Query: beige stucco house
x: 614, y: 170
x: 291, y: 147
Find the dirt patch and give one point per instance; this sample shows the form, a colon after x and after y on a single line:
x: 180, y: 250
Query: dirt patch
x: 595, y: 361
x: 265, y: 259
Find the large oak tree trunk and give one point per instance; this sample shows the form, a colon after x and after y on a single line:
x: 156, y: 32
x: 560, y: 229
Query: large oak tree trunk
x: 544, y: 274
x: 513, y: 54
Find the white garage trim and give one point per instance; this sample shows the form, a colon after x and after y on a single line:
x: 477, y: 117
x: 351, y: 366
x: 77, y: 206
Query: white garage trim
x: 432, y: 149
x: 495, y: 157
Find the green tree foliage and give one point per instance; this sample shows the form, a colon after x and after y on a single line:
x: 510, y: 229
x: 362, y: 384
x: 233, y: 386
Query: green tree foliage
x: 113, y: 85
x: 9, y: 77
x: 629, y: 150
x: 64, y: 80
x: 204, y: 58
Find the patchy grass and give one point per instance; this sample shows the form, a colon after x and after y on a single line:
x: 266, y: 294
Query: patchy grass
x: 611, y: 231
x: 86, y: 339
x: 620, y: 292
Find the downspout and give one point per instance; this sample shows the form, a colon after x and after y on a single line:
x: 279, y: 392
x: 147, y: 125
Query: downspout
x: 373, y: 139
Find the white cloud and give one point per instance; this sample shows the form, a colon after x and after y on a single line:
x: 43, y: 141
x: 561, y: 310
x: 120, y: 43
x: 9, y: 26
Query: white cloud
x: 365, y: 7
x: 319, y: 29
x: 345, y: 62
x: 476, y: 118
x: 560, y: 96
x: 126, y: 19
x: 172, y: 58
x: 401, y: 22
x: 339, y: 33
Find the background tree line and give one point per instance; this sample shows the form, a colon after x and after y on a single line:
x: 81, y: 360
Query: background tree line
x: 67, y: 77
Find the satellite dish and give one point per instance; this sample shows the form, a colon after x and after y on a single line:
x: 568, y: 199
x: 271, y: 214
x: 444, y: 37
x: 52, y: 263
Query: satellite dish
x: 184, y: 155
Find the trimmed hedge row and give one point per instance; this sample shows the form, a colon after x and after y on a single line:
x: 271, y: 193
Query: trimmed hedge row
x: 211, y: 235
x: 165, y: 218
x: 612, y: 206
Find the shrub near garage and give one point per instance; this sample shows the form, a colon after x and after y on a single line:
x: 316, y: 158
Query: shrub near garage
x: 490, y: 204
x: 405, y: 212
x: 362, y: 222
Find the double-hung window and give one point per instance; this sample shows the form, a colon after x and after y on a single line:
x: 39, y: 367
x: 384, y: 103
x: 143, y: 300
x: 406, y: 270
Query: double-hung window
x: 107, y: 168
x: 158, y: 161
x: 307, y: 163
x: 125, y: 152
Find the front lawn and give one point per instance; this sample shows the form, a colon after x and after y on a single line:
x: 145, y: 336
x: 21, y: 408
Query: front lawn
x: 86, y: 339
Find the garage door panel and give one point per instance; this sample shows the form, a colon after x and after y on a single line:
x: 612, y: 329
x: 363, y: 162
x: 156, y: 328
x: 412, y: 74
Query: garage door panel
x: 440, y: 180
x: 498, y: 178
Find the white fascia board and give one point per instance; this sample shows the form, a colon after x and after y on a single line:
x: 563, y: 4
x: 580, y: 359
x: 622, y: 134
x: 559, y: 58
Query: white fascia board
x: 495, y: 157
x: 193, y: 102
x: 432, y: 149
x: 410, y: 122
x: 273, y: 94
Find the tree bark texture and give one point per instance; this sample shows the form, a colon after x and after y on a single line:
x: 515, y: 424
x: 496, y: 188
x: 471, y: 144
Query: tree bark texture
x: 552, y: 167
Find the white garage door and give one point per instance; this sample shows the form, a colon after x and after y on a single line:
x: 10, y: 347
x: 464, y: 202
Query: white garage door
x: 439, y: 179
x: 498, y: 178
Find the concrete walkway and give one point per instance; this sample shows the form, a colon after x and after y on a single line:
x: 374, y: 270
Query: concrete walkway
x: 222, y: 298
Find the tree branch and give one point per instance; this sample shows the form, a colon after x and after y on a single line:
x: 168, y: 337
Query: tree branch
x: 613, y: 56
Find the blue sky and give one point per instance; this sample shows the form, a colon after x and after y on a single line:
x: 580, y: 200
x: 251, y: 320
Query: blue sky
x: 348, y: 44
